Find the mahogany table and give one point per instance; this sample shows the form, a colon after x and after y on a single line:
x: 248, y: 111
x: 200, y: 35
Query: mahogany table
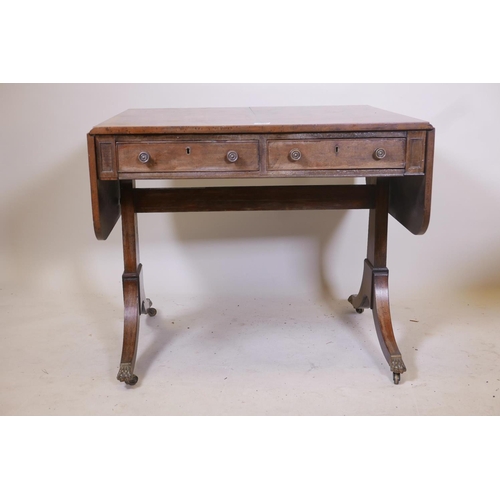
x: 394, y: 153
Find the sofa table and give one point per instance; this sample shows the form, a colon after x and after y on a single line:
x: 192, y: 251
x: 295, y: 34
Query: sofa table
x: 394, y: 153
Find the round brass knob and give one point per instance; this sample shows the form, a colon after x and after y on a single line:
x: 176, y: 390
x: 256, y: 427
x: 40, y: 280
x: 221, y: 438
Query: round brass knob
x: 143, y: 157
x: 295, y: 155
x: 380, y: 153
x: 232, y: 156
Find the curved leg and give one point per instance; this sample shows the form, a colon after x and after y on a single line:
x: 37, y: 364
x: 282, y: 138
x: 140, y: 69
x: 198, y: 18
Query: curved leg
x: 383, y: 323
x: 133, y: 291
x: 133, y: 288
x: 130, y: 330
x: 374, y: 290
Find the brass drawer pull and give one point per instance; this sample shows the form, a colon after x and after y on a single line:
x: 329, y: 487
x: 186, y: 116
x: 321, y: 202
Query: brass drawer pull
x: 295, y: 155
x: 380, y: 153
x: 143, y: 157
x: 232, y: 156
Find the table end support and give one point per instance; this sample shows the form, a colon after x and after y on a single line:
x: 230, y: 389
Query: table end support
x: 374, y: 290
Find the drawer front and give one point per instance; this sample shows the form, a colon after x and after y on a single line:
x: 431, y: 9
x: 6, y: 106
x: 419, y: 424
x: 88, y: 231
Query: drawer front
x: 333, y: 154
x: 188, y: 156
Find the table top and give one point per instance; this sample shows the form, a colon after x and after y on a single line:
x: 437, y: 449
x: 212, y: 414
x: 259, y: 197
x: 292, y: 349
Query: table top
x: 287, y: 119
x: 331, y: 141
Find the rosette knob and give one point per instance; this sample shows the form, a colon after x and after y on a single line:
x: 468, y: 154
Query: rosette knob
x: 144, y: 157
x: 232, y: 156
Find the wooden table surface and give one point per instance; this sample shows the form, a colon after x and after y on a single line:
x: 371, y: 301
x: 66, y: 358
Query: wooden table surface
x: 257, y: 120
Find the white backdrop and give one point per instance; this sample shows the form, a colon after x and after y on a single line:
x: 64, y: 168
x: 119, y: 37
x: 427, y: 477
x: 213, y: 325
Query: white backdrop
x: 47, y: 239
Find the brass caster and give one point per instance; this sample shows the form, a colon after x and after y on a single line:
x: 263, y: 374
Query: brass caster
x: 125, y: 374
x: 147, y: 308
x: 359, y: 310
x: 132, y: 380
x: 396, y: 377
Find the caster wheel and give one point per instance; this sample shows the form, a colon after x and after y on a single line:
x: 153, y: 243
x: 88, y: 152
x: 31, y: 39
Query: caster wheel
x: 359, y: 310
x: 152, y: 311
x: 133, y: 380
x: 396, y: 377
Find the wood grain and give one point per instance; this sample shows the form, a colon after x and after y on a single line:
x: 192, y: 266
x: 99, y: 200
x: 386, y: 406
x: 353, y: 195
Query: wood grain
x: 415, y: 152
x: 374, y: 290
x: 253, y: 198
x: 334, y: 141
x: 188, y: 156
x: 105, y: 197
x: 410, y: 199
x: 257, y: 120
x: 324, y: 154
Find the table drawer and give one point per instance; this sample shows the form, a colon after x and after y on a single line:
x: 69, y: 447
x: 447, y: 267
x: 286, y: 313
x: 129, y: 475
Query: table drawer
x: 188, y: 156
x: 311, y: 154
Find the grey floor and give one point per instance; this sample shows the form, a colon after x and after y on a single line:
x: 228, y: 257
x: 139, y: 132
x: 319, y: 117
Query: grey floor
x: 246, y: 356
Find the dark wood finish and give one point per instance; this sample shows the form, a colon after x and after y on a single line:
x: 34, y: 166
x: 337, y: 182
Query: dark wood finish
x: 253, y: 198
x: 415, y: 152
x: 321, y: 154
x: 257, y: 120
x: 204, y: 156
x: 131, y: 285
x: 129, y: 229
x: 410, y: 196
x: 332, y: 141
x: 106, y: 157
x: 374, y: 290
x: 270, y: 174
x: 134, y: 298
x: 188, y: 156
x: 105, y: 197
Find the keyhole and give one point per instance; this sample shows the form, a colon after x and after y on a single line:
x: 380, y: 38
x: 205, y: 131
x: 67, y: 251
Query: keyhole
x: 188, y: 151
x: 336, y: 149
